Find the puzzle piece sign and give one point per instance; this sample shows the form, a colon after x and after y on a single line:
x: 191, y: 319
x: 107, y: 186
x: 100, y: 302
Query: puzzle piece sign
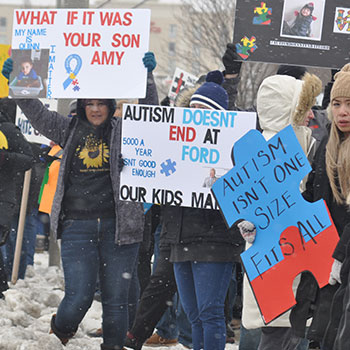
x: 292, y: 234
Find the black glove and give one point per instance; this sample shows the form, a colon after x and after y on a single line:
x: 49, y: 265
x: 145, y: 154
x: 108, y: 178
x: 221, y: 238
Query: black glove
x: 120, y: 162
x: 334, y: 72
x: 230, y: 59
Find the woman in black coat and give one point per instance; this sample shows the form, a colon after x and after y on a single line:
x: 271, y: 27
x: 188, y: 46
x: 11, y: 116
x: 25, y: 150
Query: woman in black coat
x: 15, y: 156
x: 329, y: 180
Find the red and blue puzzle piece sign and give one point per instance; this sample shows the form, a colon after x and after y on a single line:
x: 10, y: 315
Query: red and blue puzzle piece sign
x: 293, y: 235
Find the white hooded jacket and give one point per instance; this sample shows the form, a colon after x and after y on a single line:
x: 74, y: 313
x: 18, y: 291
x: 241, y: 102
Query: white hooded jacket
x: 282, y: 100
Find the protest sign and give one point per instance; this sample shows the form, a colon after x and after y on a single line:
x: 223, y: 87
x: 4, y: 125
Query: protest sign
x: 181, y: 79
x: 4, y: 55
x: 173, y: 155
x: 294, y: 32
x: 292, y: 234
x: 31, y: 134
x: 94, y: 53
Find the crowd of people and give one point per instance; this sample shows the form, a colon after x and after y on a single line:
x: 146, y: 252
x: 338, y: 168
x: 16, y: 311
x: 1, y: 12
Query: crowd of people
x: 196, y: 280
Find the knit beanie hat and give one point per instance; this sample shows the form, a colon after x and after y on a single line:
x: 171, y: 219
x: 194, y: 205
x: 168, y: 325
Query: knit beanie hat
x: 211, y: 94
x: 309, y: 6
x: 341, y: 85
x: 293, y: 71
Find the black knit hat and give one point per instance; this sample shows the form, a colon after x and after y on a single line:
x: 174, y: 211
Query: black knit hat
x: 293, y: 71
x: 309, y: 6
x: 211, y: 94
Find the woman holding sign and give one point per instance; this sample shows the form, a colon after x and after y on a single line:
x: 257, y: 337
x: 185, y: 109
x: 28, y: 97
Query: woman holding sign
x: 203, y: 250
x: 99, y: 233
x: 282, y: 100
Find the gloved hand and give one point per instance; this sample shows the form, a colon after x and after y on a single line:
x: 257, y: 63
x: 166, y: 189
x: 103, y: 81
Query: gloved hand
x: 149, y: 61
x: 120, y: 163
x: 7, y: 68
x: 334, y: 276
x: 230, y: 60
x: 247, y: 230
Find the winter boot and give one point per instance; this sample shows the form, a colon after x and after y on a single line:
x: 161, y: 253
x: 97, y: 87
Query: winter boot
x: 96, y: 334
x: 132, y: 342
x: 63, y: 337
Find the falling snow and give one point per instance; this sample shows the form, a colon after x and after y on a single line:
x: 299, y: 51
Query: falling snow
x: 29, y: 304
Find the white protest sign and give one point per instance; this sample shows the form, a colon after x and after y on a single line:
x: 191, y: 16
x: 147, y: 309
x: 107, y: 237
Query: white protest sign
x: 94, y: 53
x: 173, y: 155
x: 31, y: 134
x: 181, y: 79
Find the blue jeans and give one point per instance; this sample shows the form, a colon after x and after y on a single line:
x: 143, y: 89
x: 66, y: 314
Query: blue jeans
x: 34, y: 226
x: 249, y: 338
x: 88, y: 248
x: 174, y: 323
x: 202, y: 287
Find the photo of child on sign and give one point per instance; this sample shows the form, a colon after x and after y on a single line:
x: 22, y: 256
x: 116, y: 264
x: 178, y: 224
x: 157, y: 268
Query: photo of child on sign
x: 30, y: 73
x: 303, y: 19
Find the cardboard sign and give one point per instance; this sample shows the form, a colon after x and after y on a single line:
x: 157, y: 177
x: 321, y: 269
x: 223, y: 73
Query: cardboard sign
x: 173, y: 155
x: 31, y: 134
x: 93, y: 53
x: 181, y: 79
x: 293, y: 32
x: 292, y: 234
x: 4, y: 55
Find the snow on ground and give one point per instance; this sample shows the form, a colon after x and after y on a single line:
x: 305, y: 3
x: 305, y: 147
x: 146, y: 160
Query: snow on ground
x: 29, y: 304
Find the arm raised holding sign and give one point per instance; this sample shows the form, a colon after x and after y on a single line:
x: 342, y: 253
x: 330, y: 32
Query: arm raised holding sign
x: 98, y: 232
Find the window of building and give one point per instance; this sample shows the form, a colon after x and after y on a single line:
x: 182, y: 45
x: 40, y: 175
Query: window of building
x: 172, y: 66
x: 3, y: 23
x: 172, y: 31
x: 196, y: 52
x: 197, y: 35
x: 172, y: 49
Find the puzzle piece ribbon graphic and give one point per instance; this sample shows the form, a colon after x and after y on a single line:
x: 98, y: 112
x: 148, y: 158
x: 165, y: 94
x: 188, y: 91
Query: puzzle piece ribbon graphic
x: 72, y: 73
x: 293, y: 235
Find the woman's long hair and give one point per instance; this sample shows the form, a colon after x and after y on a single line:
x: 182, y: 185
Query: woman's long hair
x: 338, y: 163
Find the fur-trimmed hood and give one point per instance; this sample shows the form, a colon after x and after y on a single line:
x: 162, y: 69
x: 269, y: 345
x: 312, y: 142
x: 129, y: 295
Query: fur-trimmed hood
x: 184, y: 96
x: 283, y: 100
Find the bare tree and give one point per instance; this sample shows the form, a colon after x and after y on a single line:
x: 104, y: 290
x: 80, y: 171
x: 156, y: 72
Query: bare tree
x: 207, y: 27
x: 252, y: 75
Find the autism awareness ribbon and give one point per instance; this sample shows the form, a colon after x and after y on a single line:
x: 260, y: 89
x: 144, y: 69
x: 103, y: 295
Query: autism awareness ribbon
x: 72, y: 73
